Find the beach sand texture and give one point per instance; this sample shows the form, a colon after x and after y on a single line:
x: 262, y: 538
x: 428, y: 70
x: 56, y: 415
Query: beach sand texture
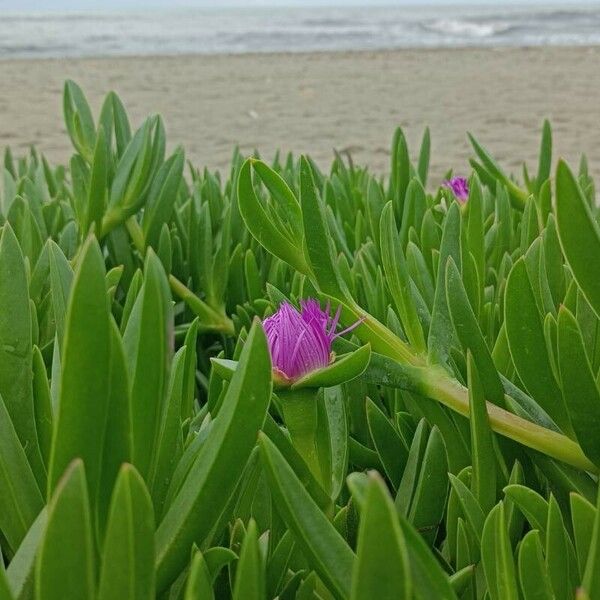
x: 314, y: 102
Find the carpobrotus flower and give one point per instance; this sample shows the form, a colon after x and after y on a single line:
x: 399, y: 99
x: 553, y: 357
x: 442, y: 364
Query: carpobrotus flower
x: 300, y: 341
x: 459, y: 187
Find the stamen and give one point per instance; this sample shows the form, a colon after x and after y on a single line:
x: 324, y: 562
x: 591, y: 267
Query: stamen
x: 351, y: 328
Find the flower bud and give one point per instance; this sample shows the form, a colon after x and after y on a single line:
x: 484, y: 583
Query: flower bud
x: 300, y: 340
x: 459, y: 187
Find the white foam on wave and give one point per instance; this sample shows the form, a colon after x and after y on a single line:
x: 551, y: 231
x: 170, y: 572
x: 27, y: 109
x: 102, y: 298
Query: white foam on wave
x: 468, y: 28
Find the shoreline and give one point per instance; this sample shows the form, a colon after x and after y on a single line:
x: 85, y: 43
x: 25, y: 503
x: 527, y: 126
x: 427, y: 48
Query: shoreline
x: 305, y: 53
x: 313, y: 102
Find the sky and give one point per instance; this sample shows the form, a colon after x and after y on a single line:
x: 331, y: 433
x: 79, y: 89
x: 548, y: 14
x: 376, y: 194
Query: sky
x: 95, y: 5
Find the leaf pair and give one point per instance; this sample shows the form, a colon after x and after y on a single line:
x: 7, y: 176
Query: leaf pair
x: 276, y: 225
x: 93, y: 416
x: 71, y: 569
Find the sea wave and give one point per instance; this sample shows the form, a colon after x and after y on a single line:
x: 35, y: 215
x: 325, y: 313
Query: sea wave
x: 218, y: 31
x: 564, y: 16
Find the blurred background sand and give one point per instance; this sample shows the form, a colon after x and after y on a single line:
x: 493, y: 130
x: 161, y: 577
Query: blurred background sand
x: 314, y: 102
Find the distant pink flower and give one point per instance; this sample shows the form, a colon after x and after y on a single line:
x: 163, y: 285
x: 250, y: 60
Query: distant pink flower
x: 300, y: 341
x: 459, y: 187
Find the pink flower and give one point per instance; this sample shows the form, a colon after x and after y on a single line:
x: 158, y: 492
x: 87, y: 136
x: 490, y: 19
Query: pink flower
x: 459, y: 187
x: 300, y: 341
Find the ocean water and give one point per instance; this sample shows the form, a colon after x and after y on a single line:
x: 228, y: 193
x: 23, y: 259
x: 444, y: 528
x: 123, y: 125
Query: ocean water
x: 215, y: 31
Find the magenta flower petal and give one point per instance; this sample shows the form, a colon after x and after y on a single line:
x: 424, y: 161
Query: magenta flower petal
x: 459, y: 187
x: 300, y: 341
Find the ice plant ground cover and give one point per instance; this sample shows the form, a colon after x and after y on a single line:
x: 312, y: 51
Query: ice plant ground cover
x: 182, y: 416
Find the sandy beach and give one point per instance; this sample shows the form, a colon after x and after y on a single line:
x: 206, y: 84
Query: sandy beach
x: 318, y: 101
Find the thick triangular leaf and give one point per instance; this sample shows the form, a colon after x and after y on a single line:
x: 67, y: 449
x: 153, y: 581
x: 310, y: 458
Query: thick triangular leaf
x: 128, y: 556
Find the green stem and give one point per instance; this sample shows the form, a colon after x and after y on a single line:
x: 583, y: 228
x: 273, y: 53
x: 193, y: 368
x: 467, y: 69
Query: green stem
x: 437, y: 385
x: 113, y: 218
x: 433, y: 382
x: 382, y: 340
x: 210, y: 319
x: 136, y: 234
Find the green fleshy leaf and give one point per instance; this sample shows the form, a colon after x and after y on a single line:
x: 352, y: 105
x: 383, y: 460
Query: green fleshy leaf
x: 345, y: 368
x: 128, y: 557
x: 67, y: 570
x: 81, y: 419
x: 16, y: 351
x: 382, y: 567
x: 249, y: 574
x: 579, y: 234
x: 581, y: 394
x: 322, y: 545
x: 527, y: 344
x: 533, y: 574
